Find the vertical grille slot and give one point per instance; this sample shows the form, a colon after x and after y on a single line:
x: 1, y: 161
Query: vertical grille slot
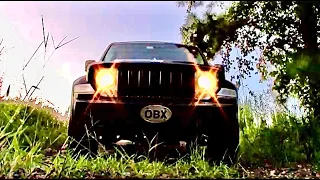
x: 144, y: 83
x: 133, y: 83
x: 122, y: 83
x: 176, y: 84
x: 165, y: 83
x: 187, y: 81
x: 155, y: 86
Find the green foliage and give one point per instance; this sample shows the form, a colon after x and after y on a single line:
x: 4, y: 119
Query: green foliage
x: 37, y: 125
x: 287, y: 140
x: 17, y: 161
x: 279, y: 144
x: 286, y: 32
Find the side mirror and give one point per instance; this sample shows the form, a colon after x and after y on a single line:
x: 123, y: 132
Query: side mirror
x: 87, y: 63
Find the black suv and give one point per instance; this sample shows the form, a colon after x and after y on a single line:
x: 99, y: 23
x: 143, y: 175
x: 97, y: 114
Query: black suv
x: 165, y: 92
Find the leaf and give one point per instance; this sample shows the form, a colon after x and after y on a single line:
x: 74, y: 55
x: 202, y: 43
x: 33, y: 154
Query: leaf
x: 286, y: 34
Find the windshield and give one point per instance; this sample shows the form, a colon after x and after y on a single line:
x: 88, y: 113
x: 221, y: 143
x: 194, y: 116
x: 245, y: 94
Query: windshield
x: 154, y: 51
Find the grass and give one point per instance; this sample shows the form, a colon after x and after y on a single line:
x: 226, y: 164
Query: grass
x: 30, y: 133
x: 32, y: 125
x: 31, y: 140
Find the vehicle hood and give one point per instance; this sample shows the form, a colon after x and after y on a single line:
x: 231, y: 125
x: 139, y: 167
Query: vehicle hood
x: 149, y: 61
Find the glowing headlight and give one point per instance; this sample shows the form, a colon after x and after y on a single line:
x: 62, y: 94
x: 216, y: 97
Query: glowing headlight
x: 105, y: 78
x: 206, y: 82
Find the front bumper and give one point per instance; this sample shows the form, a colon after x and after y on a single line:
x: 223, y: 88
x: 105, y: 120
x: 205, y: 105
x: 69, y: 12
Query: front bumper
x: 121, y: 120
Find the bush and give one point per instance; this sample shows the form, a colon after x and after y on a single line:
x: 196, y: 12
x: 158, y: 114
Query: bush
x: 288, y: 139
x: 38, y: 125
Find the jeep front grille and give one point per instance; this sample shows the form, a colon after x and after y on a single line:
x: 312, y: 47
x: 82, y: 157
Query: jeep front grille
x: 156, y: 83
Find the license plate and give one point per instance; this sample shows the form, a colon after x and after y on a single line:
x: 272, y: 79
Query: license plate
x: 155, y: 113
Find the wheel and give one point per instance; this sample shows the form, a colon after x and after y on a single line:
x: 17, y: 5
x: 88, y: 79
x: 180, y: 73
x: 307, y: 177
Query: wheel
x: 81, y: 133
x: 222, y: 152
x: 223, y: 147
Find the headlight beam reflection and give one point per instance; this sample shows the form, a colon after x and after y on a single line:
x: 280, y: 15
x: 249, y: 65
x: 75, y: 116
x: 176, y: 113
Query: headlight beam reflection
x: 200, y: 93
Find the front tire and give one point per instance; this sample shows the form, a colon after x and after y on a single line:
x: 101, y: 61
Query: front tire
x: 223, y: 146
x: 81, y: 133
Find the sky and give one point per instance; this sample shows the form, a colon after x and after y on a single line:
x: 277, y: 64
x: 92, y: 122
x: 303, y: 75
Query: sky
x: 97, y: 24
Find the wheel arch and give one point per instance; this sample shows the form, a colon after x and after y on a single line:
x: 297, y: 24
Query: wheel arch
x: 80, y: 80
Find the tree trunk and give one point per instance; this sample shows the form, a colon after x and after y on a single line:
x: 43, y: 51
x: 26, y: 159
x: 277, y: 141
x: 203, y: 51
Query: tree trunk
x: 308, y: 19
